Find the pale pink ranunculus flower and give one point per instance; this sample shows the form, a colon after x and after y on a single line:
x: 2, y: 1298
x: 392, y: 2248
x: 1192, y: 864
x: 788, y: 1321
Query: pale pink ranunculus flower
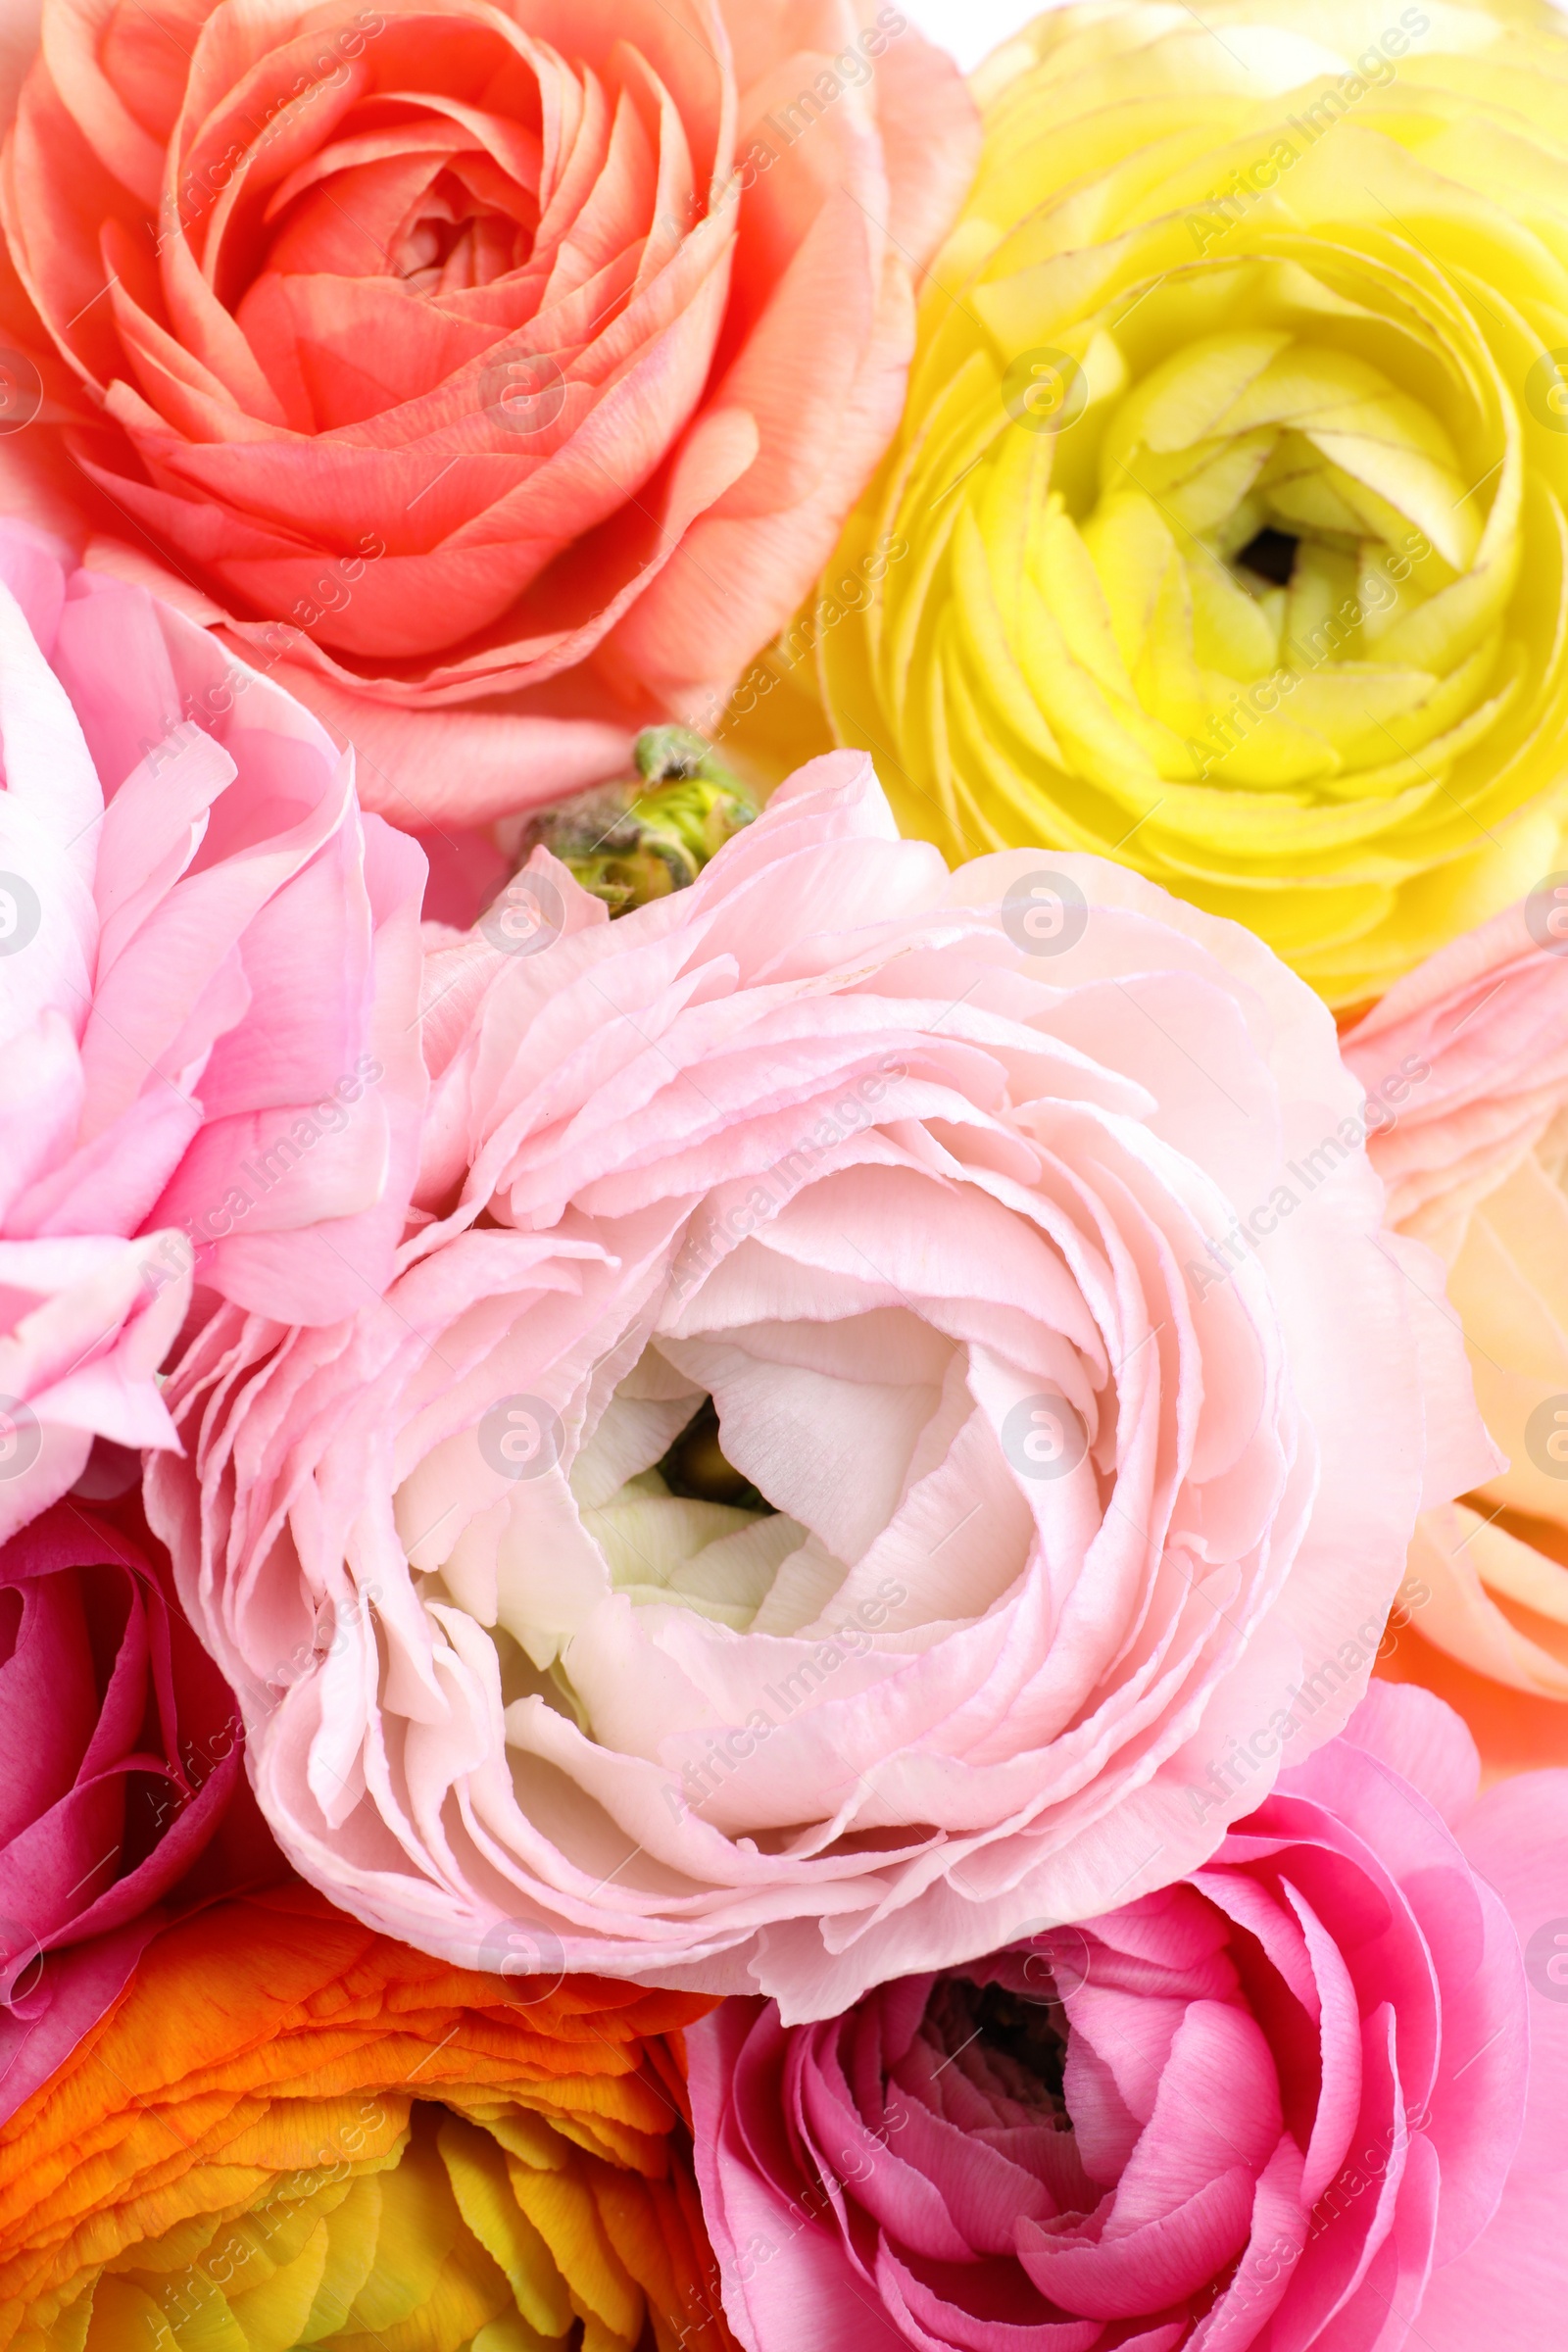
x: 1307, y: 2099
x: 208, y: 988
x: 1466, y: 1061
x: 1041, y: 1495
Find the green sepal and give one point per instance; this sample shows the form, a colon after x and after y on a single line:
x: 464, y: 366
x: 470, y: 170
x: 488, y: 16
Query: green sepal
x: 645, y: 835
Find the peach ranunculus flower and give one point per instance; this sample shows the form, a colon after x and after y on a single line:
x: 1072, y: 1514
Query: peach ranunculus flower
x: 292, y: 2132
x: 1469, y: 1059
x: 825, y: 1490
x: 447, y: 351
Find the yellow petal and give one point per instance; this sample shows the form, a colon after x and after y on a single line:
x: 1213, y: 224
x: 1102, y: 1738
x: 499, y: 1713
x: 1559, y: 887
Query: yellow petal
x: 1232, y: 631
x: 273, y: 2312
x: 488, y: 2203
x: 351, y: 2232
x: 1183, y: 398
x: 420, y: 2225
x: 562, y: 2209
x: 1131, y: 548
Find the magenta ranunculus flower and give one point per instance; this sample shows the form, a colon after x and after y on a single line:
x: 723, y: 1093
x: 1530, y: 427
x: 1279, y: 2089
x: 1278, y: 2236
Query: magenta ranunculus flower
x: 822, y: 1489
x: 1278, y: 2104
x: 209, y: 986
x: 120, y: 1764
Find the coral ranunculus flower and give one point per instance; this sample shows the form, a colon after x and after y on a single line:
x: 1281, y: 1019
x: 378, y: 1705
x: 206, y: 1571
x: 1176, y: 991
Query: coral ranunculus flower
x: 826, y: 1479
x: 1308, y: 2100
x: 462, y: 351
x: 293, y: 2133
x: 1233, y: 473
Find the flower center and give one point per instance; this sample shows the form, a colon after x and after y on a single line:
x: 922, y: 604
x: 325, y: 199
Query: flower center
x: 1267, y: 521
x: 698, y: 1468
x: 673, y: 1517
x: 1020, y: 2044
x: 1270, y: 557
x: 452, y: 240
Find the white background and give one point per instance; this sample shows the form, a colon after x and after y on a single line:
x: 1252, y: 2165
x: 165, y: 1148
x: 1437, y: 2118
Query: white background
x: 969, y: 28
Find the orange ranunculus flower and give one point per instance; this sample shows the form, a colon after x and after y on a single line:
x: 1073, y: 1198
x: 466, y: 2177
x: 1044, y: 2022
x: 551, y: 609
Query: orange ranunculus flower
x: 448, y: 349
x: 292, y: 2132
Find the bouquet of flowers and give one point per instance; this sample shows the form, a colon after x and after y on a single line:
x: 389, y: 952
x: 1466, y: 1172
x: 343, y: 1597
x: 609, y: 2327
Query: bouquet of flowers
x: 783, y: 1178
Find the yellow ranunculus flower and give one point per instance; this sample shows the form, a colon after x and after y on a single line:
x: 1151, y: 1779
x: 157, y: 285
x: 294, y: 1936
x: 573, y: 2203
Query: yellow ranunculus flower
x: 1233, y: 472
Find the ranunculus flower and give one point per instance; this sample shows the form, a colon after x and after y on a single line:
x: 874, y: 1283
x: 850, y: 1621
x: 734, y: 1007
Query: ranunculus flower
x: 209, y: 986
x: 826, y: 1483
x: 119, y: 1746
x: 292, y: 2132
x: 1277, y: 2105
x: 463, y: 351
x: 1467, y: 1060
x: 1233, y: 472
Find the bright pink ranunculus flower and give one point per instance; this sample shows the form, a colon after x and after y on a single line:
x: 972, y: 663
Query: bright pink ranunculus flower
x: 827, y: 1487
x: 1465, y: 1065
x: 443, y: 350
x: 209, y: 986
x: 121, y: 1799
x: 1278, y: 2104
